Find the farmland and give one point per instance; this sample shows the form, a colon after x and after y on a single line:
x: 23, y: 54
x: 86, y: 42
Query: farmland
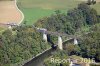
x: 97, y: 7
x: 36, y: 9
x: 9, y: 13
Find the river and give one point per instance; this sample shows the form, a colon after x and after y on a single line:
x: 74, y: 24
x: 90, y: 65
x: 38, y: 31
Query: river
x: 38, y: 61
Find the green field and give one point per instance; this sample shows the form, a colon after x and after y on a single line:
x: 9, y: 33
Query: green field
x: 1, y: 29
x: 31, y: 15
x: 97, y: 7
x: 36, y: 9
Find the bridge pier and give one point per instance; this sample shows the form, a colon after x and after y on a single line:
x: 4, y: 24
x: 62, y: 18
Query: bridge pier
x: 9, y: 27
x: 71, y: 63
x: 75, y: 41
x: 45, y: 37
x: 60, y: 43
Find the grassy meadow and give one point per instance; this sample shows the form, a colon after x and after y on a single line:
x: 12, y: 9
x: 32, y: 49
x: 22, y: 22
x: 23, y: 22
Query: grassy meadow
x: 97, y: 7
x: 1, y: 30
x: 36, y: 9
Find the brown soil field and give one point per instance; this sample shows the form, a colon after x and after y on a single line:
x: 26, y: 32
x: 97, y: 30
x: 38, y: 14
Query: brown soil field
x: 9, y: 13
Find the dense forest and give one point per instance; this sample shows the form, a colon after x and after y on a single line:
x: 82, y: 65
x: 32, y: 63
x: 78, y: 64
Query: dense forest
x: 20, y: 44
x: 71, y: 21
x: 90, y: 44
x: 75, y: 21
x: 88, y: 47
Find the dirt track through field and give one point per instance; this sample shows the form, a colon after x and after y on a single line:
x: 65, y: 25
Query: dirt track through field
x: 9, y: 13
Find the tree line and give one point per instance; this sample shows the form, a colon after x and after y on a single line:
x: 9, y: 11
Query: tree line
x: 70, y: 23
x: 20, y: 44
